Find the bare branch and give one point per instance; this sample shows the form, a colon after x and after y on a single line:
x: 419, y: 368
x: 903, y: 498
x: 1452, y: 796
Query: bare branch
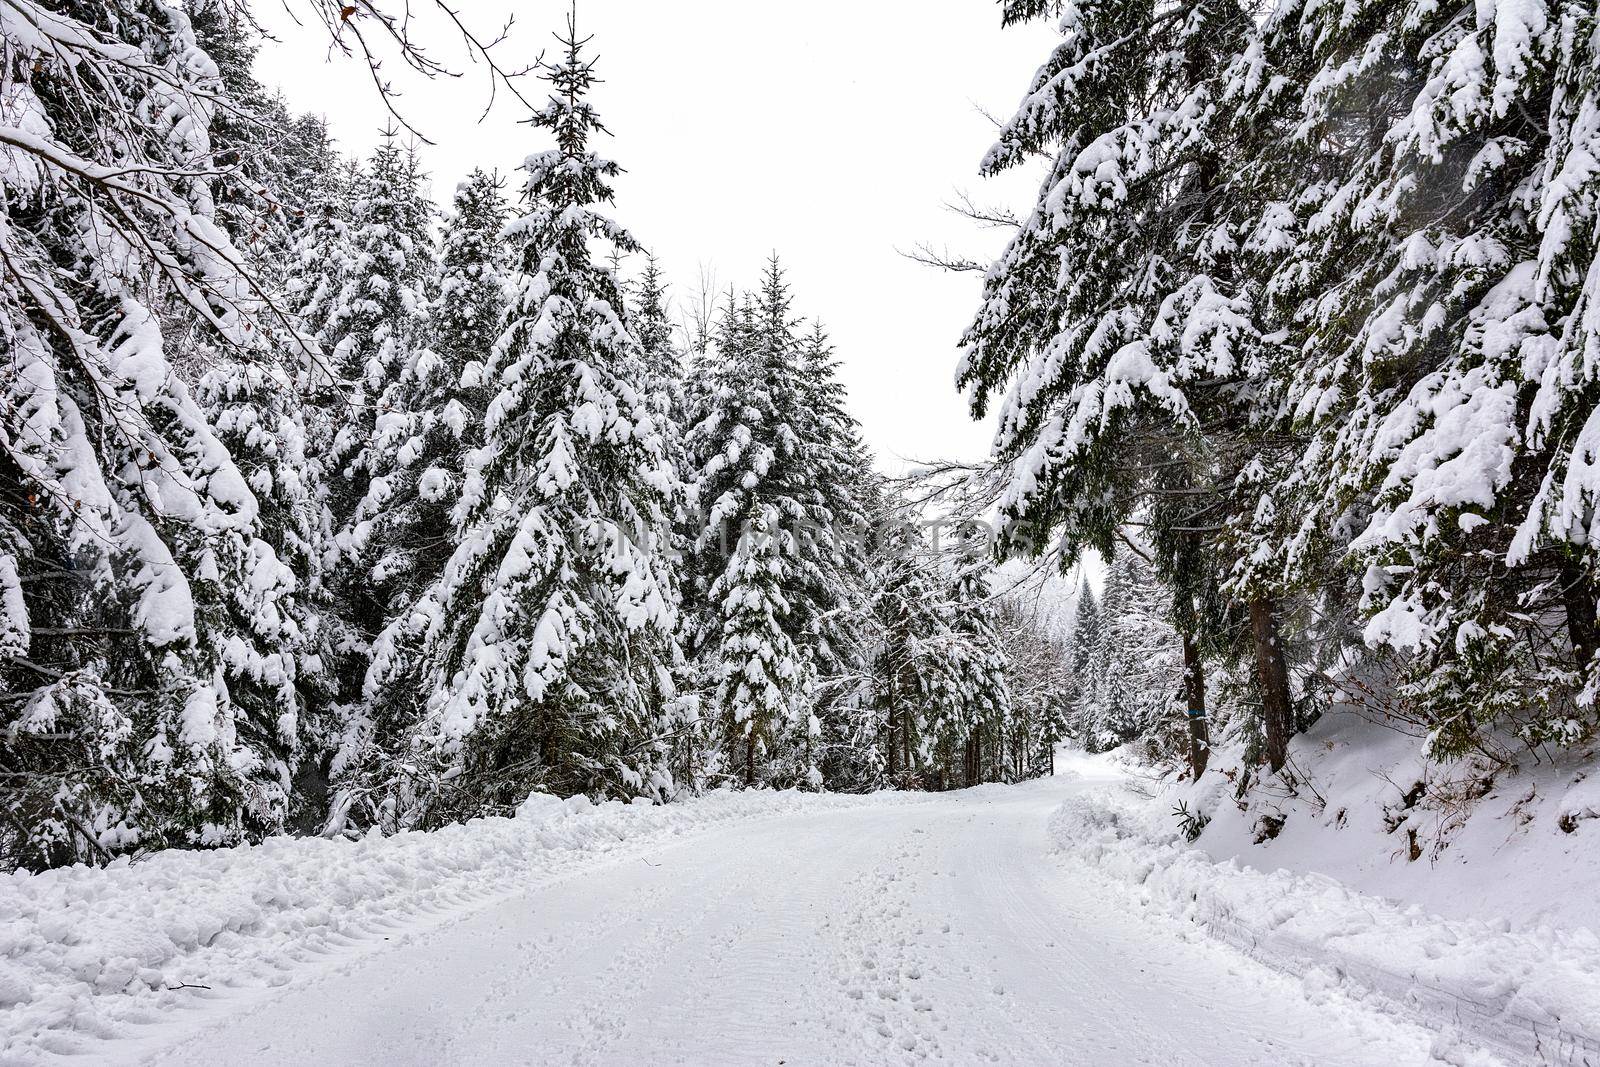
x: 925, y: 255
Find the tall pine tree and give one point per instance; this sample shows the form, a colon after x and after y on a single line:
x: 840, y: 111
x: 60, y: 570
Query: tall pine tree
x: 550, y: 632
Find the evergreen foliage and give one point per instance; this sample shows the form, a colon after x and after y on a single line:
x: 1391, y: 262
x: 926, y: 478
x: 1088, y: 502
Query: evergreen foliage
x: 550, y: 631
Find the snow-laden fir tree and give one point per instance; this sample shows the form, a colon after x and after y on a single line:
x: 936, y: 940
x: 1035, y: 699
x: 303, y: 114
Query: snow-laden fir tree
x: 407, y: 512
x: 319, y: 260
x: 145, y: 628
x: 842, y: 471
x: 650, y: 320
x: 1562, y: 423
x: 768, y: 436
x: 1396, y: 166
x: 439, y: 401
x: 377, y: 319
x: 374, y: 327
x: 271, y: 163
x: 745, y: 463
x: 274, y: 163
x: 971, y: 710
x: 1562, y: 419
x: 1117, y: 325
x: 254, y: 405
x: 550, y: 632
x: 910, y: 694
x: 1086, y: 649
x: 760, y: 675
x: 1133, y: 693
x: 1038, y: 674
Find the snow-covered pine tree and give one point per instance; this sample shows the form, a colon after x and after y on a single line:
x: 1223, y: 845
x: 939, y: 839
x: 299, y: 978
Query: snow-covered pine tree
x: 913, y: 695
x: 1106, y: 714
x: 1085, y: 651
x: 768, y: 431
x: 651, y: 322
x: 319, y: 260
x: 374, y: 328
x: 1117, y: 323
x: 760, y: 674
x: 1401, y: 252
x: 842, y: 470
x: 972, y: 700
x: 551, y: 629
x: 256, y: 408
x: 717, y: 440
x: 802, y: 439
x: 441, y: 399
x: 1038, y: 674
x: 148, y: 699
x: 747, y: 465
x: 1562, y: 423
x: 270, y: 162
x: 931, y: 707
x: 1143, y: 663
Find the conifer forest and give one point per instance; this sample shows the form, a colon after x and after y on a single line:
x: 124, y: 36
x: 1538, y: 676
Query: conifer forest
x: 381, y: 555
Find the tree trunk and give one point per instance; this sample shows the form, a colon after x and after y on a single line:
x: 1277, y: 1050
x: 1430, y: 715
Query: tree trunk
x: 1273, y: 676
x: 1194, y: 689
x: 750, y: 757
x: 1579, y: 595
x: 905, y: 741
x: 894, y: 746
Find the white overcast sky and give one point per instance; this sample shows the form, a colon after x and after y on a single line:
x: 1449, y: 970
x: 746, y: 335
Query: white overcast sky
x: 831, y: 131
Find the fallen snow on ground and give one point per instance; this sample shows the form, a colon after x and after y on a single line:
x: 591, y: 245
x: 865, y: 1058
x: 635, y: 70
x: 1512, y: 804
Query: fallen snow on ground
x: 1518, y: 842
x: 86, y: 952
x: 1531, y: 992
x: 1054, y: 922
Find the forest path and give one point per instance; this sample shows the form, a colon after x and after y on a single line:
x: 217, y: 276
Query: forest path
x: 949, y: 931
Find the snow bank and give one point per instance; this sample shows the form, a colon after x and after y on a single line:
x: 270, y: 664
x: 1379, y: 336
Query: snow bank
x: 1464, y: 839
x: 89, y: 953
x: 1531, y: 994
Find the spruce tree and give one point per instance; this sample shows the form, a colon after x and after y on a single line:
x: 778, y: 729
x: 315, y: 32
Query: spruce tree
x: 1402, y: 251
x: 1038, y: 674
x: 1118, y: 323
x: 1143, y: 661
x: 760, y: 675
x: 145, y: 620
x: 651, y: 323
x: 410, y: 504
x: 439, y: 401
x: 842, y: 472
x: 550, y: 631
x: 319, y: 260
x: 271, y: 163
x: 914, y: 694
x: 1088, y: 670
x: 973, y: 695
x: 376, y: 321
x: 769, y: 436
x: 371, y: 336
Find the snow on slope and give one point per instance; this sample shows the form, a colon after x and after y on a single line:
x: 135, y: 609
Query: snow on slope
x: 1516, y: 845
x: 1532, y: 992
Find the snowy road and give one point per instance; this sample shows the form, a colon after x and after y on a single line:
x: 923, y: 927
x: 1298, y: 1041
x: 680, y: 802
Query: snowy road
x: 939, y: 932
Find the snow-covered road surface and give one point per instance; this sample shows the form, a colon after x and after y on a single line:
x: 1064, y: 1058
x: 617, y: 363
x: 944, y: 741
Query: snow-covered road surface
x: 946, y: 931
